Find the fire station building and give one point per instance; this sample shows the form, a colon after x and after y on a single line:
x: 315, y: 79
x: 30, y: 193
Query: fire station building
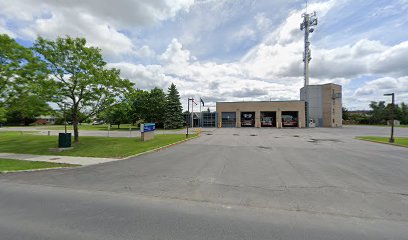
x: 322, y: 101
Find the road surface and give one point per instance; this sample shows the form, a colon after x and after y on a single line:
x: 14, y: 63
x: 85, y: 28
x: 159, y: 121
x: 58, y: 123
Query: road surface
x: 227, y: 184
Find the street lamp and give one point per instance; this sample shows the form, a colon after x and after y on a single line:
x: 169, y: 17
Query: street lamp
x: 392, y: 116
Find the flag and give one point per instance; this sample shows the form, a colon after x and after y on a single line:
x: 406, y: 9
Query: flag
x: 201, y: 100
x: 193, y: 101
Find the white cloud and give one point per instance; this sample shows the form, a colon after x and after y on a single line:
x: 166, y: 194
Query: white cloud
x: 272, y: 69
x: 5, y: 30
x: 175, y: 54
x: 382, y: 85
x: 100, y: 22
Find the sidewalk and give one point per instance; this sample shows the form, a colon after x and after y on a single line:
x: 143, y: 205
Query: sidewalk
x: 58, y: 159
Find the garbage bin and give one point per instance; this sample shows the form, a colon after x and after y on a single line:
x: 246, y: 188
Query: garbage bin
x: 64, y: 140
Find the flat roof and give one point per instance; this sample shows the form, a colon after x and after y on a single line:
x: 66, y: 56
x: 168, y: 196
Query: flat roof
x: 317, y: 85
x: 263, y: 101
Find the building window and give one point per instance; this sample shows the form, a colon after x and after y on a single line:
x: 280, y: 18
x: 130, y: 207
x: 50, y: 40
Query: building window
x: 333, y: 120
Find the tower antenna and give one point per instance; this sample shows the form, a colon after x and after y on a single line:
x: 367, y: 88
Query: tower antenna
x: 306, y: 5
x: 309, y: 20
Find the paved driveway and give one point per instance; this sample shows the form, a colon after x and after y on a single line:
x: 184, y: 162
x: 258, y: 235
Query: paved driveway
x: 306, y: 173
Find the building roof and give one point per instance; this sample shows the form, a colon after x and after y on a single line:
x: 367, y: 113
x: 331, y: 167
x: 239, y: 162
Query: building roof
x: 263, y: 101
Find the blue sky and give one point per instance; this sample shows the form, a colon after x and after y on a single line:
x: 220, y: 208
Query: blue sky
x: 232, y: 50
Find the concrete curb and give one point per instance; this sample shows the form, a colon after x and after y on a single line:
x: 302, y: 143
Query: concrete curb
x: 36, y: 170
x: 160, y: 148
x: 385, y: 143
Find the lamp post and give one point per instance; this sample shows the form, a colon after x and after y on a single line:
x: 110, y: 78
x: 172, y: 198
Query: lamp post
x: 392, y: 115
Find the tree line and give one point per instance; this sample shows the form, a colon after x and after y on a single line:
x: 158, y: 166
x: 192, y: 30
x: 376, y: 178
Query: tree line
x: 75, y: 77
x: 379, y: 113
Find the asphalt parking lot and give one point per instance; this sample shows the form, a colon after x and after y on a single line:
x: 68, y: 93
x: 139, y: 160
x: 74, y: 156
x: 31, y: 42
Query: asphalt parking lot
x: 324, y: 172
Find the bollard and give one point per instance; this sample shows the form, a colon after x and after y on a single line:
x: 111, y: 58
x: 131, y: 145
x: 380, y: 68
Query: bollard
x: 130, y: 132
x: 49, y: 133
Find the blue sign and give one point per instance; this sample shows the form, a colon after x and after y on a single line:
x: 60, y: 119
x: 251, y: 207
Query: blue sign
x: 149, y: 127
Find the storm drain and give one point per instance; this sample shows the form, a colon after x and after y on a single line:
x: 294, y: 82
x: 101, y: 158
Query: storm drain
x: 264, y: 147
x: 235, y: 134
x: 253, y: 135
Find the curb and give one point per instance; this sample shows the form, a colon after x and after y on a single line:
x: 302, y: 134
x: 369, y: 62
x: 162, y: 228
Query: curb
x: 385, y: 143
x: 160, y: 148
x: 36, y: 170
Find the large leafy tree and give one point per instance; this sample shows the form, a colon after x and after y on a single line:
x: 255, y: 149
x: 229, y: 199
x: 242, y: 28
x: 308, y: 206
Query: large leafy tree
x: 378, y: 112
x: 22, y: 75
x: 403, y: 114
x: 173, y: 114
x: 116, y: 114
x: 149, y: 106
x: 82, y: 83
x: 25, y: 108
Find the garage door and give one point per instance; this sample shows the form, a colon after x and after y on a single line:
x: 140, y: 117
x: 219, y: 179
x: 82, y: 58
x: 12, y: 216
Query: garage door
x: 289, y: 119
x: 248, y: 119
x: 229, y: 119
x: 268, y: 119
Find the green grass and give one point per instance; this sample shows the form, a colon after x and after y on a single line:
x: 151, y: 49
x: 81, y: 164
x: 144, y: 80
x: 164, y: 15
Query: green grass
x: 14, y: 142
x: 377, y: 125
x: 7, y: 165
x: 403, y: 141
x: 89, y: 127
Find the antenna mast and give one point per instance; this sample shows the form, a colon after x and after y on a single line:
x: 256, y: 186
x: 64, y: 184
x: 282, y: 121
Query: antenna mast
x: 309, y: 20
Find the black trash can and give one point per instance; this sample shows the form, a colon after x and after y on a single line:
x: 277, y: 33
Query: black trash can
x: 64, y: 140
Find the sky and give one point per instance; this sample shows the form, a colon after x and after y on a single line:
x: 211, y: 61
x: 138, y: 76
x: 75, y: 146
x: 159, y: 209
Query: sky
x: 233, y: 50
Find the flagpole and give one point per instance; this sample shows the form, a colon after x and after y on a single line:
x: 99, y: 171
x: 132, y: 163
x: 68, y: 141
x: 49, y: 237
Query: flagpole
x: 192, y: 112
x: 200, y: 114
x: 188, y: 113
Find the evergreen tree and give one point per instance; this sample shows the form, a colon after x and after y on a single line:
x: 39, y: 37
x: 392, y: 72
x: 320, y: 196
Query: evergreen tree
x: 173, y: 113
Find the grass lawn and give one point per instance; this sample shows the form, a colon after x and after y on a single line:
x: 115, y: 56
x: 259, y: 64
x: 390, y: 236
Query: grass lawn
x: 14, y: 142
x: 403, y: 141
x: 377, y: 125
x: 89, y: 127
x: 7, y: 165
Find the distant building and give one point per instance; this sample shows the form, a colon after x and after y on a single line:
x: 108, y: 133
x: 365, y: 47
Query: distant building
x: 43, y: 120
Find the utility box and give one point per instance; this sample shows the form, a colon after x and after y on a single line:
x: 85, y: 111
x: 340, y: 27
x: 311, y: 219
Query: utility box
x: 64, y: 140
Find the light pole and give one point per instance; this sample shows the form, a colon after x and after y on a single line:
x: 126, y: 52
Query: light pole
x: 392, y: 115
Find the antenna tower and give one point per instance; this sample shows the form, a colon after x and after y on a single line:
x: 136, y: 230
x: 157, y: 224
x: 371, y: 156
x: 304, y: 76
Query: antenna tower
x: 309, y: 20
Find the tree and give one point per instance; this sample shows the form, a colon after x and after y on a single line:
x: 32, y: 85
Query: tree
x: 139, y: 105
x: 82, y: 82
x: 156, y: 105
x: 378, y: 112
x: 3, y: 115
x: 345, y: 113
x: 173, y: 111
x: 148, y: 106
x: 117, y: 114
x: 22, y: 74
x: 25, y: 109
x: 403, y: 113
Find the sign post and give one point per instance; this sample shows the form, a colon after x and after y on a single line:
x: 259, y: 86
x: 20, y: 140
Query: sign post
x: 147, y: 131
